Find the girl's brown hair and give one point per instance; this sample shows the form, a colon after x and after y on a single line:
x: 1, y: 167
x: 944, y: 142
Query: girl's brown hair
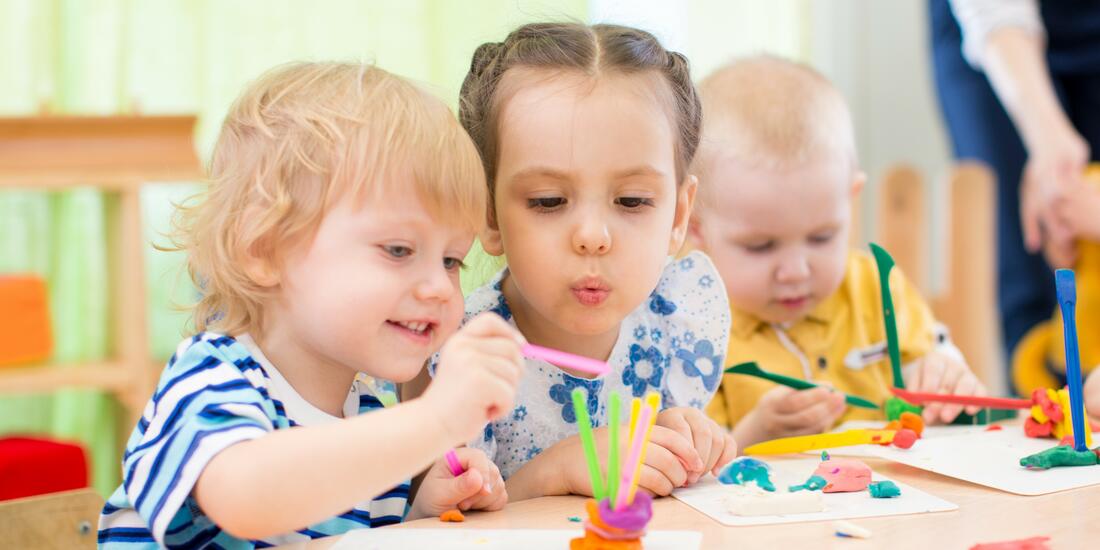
x: 590, y: 49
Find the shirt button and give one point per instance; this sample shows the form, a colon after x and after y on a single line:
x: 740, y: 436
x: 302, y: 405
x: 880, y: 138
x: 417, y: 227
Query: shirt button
x: 822, y: 363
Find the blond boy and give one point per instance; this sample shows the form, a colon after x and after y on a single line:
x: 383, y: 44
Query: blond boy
x: 778, y: 172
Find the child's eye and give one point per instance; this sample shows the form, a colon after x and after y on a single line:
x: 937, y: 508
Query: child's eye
x: 632, y: 203
x: 760, y: 248
x: 397, y: 251
x: 821, y: 238
x: 453, y: 264
x: 546, y: 204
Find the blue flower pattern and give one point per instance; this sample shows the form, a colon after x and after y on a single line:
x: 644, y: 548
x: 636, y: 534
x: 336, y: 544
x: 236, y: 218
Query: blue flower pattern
x: 659, y: 305
x: 563, y: 394
x: 645, y: 369
x: 705, y: 351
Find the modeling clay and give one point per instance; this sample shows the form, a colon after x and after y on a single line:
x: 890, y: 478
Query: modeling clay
x: 744, y: 470
x: 1061, y: 456
x: 815, y: 483
x: 884, y: 489
x: 844, y: 475
x: 452, y: 516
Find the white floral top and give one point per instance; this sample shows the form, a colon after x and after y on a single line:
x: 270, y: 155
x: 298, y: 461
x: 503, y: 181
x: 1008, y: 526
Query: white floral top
x: 673, y: 343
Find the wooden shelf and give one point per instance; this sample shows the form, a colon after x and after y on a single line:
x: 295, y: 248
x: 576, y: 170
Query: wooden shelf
x: 116, y: 155
x: 109, y: 152
x: 108, y: 375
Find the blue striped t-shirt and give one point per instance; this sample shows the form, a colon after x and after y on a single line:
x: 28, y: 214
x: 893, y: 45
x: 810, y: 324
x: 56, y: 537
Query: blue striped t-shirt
x: 217, y: 391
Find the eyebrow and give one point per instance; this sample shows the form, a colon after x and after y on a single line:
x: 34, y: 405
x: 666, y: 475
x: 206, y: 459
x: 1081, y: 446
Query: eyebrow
x: 643, y: 170
x: 541, y: 171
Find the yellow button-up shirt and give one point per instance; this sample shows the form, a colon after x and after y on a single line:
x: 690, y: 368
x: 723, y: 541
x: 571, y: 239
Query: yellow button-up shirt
x: 841, y: 341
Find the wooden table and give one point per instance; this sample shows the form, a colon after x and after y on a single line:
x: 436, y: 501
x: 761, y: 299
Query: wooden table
x: 1070, y: 518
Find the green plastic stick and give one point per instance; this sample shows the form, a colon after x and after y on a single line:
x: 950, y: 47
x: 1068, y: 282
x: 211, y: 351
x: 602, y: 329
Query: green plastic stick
x: 584, y: 424
x: 885, y: 264
x: 752, y: 369
x: 613, y: 453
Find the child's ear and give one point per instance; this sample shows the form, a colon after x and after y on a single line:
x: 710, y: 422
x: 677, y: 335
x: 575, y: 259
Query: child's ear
x: 260, y: 266
x: 685, y: 201
x: 858, y: 181
x: 490, y: 235
x: 696, y: 238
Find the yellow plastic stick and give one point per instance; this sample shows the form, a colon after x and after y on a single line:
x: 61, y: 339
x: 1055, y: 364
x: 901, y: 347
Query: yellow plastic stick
x: 820, y: 441
x: 652, y: 399
x: 635, y: 409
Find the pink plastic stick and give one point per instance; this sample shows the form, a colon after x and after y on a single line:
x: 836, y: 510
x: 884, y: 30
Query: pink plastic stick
x: 633, y: 459
x: 453, y: 464
x: 568, y: 360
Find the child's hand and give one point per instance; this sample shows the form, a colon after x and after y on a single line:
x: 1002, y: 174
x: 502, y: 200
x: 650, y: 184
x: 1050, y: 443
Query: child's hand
x: 785, y: 412
x: 476, y: 377
x: 668, y: 458
x: 713, y: 443
x: 938, y: 372
x: 1092, y: 394
x: 479, y: 488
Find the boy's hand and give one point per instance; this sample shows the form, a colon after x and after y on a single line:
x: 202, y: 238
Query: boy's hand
x: 939, y: 372
x: 786, y: 412
x: 1092, y: 394
x: 476, y: 377
x: 714, y: 444
x: 479, y: 488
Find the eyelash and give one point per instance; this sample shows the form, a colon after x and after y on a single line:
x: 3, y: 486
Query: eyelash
x: 550, y: 204
x: 639, y: 202
x: 456, y: 264
x: 821, y: 239
x: 760, y: 248
x: 540, y: 204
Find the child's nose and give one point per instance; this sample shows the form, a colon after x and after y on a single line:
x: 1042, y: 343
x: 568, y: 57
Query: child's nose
x: 592, y: 235
x: 435, y: 285
x: 793, y: 267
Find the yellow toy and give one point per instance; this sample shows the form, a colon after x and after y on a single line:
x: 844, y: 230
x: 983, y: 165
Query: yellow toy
x: 1040, y: 358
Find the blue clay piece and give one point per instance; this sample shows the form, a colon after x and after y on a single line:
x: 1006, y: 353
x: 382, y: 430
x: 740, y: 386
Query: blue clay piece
x: 815, y: 483
x: 746, y: 470
x: 884, y: 489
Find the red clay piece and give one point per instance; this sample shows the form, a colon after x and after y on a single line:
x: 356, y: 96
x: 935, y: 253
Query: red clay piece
x: 994, y: 428
x: 1035, y: 429
x: 905, y: 438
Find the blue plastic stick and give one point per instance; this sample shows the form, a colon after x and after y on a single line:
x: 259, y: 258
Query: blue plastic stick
x: 1067, y: 299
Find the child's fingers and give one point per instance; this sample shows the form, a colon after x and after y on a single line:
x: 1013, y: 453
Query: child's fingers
x: 932, y: 372
x: 812, y: 419
x: 729, y: 452
x: 952, y: 375
x: 653, y: 480
x: 491, y: 324
x: 702, y: 429
x: 966, y: 385
x: 678, y: 445
x: 463, y: 487
x: 803, y: 399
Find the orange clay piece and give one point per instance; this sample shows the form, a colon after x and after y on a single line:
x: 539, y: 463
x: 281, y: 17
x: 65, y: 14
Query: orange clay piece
x: 25, y: 324
x: 452, y: 516
x: 591, y: 541
x: 913, y: 422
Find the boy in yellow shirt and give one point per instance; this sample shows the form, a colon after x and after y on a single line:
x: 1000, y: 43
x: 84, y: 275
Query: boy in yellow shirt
x: 778, y: 171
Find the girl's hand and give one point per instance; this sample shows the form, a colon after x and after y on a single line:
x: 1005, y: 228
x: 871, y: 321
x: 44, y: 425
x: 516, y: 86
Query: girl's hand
x: 479, y: 488
x: 715, y: 445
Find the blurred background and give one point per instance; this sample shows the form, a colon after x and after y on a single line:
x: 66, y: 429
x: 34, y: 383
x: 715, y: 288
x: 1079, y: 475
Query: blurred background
x: 192, y: 57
